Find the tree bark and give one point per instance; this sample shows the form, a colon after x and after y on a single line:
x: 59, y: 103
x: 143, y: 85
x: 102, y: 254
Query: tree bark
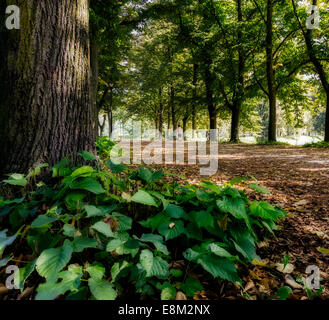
x: 46, y: 109
x: 94, y: 77
x: 209, y: 79
x: 172, y: 107
x: 270, y: 72
x: 110, y: 112
x: 194, y: 97
x: 160, y: 128
x: 308, y: 36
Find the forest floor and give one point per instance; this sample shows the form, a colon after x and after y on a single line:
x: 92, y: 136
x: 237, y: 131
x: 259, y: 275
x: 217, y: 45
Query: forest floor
x: 298, y: 179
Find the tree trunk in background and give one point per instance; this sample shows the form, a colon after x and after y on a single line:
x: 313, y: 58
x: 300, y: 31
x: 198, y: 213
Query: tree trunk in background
x: 194, y: 97
x: 94, y: 78
x: 46, y: 105
x: 160, y: 128
x: 308, y: 36
x: 236, y: 108
x: 270, y: 72
x: 110, y: 112
x: 172, y: 107
x: 209, y: 79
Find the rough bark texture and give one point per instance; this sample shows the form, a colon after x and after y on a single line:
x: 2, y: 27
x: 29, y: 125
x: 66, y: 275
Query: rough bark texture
x: 270, y: 72
x: 46, y: 109
x: 94, y: 77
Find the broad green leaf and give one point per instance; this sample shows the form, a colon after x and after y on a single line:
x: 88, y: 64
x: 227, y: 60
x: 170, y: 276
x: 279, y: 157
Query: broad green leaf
x: 96, y: 270
x: 115, y: 167
x: 175, y: 211
x: 70, y: 281
x: 117, y: 269
x: 145, y: 198
x: 204, y: 219
x: 154, y: 266
x: 219, y: 268
x: 219, y: 251
x: 103, y: 228
x: 86, y: 171
x: 23, y: 274
x: 51, y: 261
x: 171, y: 230
x: 264, y: 210
x: 89, y: 184
x: 101, y: 289
x: 42, y: 220
x: 114, y: 244
x: 125, y: 222
x: 16, y: 179
x: 5, y: 241
x: 145, y: 174
x: 79, y: 244
x: 154, y: 222
x: 87, y: 155
x: 258, y: 188
x: 74, y: 200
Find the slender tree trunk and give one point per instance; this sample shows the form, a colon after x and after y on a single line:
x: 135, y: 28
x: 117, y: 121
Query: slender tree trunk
x: 308, y: 36
x: 94, y: 77
x: 194, y: 97
x: 172, y: 107
x: 110, y: 113
x: 185, y: 126
x: 160, y: 112
x: 46, y: 109
x: 236, y: 108
x: 209, y: 79
x: 270, y: 72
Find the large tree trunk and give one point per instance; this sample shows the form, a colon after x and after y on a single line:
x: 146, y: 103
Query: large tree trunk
x: 46, y: 110
x: 270, y: 72
x: 94, y: 77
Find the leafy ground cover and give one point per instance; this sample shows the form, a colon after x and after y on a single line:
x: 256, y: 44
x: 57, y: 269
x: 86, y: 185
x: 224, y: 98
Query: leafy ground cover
x: 104, y: 231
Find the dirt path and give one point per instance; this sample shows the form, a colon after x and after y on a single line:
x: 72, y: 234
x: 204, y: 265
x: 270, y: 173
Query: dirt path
x: 298, y: 179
